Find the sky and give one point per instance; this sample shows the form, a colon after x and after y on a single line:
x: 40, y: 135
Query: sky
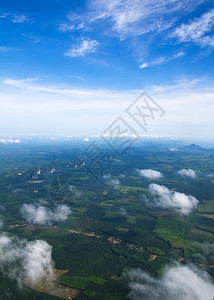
x: 72, y: 66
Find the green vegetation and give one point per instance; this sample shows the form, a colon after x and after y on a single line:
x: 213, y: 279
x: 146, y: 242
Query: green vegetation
x: 111, y: 228
x: 80, y: 282
x: 155, y: 250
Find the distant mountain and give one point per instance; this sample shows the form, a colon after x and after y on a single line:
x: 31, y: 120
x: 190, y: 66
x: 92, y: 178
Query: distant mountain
x: 194, y: 147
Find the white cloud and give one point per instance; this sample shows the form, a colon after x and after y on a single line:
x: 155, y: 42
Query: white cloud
x: 5, y: 49
x: 144, y: 65
x: 150, y: 174
x: 20, y: 258
x: 134, y: 18
x: 176, y: 283
x: 173, y: 149
x: 162, y: 60
x: 187, y: 173
x: 4, y: 15
x: 83, y: 48
x: 65, y: 27
x: 122, y: 211
x: 41, y: 215
x: 197, y: 31
x: 122, y: 175
x: 75, y: 22
x: 38, y: 261
x: 35, y: 39
x: 107, y: 176
x: 163, y: 197
x: 113, y: 182
x: 20, y: 18
x: 10, y: 141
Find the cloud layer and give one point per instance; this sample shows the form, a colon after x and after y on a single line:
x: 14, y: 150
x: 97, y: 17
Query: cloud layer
x: 164, y: 198
x: 41, y: 215
x: 187, y: 173
x: 20, y: 258
x: 149, y: 173
x: 176, y: 283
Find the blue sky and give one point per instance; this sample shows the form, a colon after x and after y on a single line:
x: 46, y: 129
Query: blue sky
x: 71, y: 67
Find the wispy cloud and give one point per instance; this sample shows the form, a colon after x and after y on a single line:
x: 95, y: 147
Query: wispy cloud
x: 6, y: 49
x: 145, y: 21
x: 20, y: 18
x: 197, y: 31
x: 134, y: 18
x: 176, y: 283
x: 161, y: 60
x: 35, y: 39
x: 4, y: 15
x: 74, y: 22
x: 84, y: 47
x: 65, y: 27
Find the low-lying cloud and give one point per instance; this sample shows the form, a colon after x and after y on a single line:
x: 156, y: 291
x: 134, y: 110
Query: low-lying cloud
x: 187, y: 173
x: 41, y: 215
x: 176, y: 283
x: 150, y: 174
x: 10, y: 141
x: 20, y: 258
x: 114, y: 182
x: 110, y: 180
x: 173, y: 149
x: 164, y: 198
x: 107, y: 176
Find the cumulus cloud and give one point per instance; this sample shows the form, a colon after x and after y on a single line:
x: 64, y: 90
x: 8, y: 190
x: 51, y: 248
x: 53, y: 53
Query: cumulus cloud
x: 86, y: 46
x: 20, y: 258
x: 150, y: 174
x: 176, y: 283
x: 41, y: 215
x: 187, y: 173
x: 163, y: 197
